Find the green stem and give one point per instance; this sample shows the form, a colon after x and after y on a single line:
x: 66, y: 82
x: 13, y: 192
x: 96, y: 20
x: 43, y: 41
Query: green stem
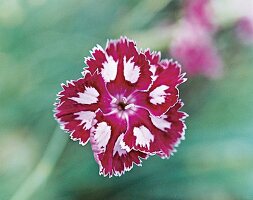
x: 44, y: 168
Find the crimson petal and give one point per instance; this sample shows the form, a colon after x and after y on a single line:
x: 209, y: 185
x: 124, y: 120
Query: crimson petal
x: 133, y: 68
x: 78, y: 102
x: 163, y: 94
x: 123, y: 68
x: 155, y: 135
x: 105, y: 139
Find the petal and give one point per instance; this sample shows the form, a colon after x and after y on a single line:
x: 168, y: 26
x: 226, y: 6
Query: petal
x: 133, y: 75
x: 153, y: 57
x: 163, y: 93
x: 96, y: 61
x: 156, y: 65
x: 78, y: 124
x: 133, y: 68
x: 105, y: 139
x: 151, y: 134
x: 177, y: 129
x: 121, y: 48
x: 123, y: 68
x: 78, y: 102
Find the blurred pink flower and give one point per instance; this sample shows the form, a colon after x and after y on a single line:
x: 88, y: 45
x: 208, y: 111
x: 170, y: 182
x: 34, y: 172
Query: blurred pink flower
x: 244, y: 29
x: 195, y: 49
x: 126, y: 104
x: 199, y: 12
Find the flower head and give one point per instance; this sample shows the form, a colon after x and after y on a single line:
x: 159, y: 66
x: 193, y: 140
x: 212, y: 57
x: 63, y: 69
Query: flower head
x: 244, y: 29
x: 196, y: 50
x: 126, y: 104
x: 199, y: 12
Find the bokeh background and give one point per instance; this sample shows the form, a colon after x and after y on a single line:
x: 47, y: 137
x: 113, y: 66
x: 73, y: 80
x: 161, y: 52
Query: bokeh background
x: 42, y: 44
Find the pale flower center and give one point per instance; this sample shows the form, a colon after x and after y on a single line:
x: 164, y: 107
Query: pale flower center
x: 123, y: 106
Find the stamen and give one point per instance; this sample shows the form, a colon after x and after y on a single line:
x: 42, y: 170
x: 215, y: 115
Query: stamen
x: 129, y: 106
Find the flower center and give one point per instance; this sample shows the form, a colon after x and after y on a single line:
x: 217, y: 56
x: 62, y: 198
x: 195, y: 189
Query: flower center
x: 122, y: 106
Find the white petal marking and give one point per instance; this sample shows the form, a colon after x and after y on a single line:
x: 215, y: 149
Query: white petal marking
x: 89, y: 96
x: 102, y: 134
x: 153, y: 70
x: 87, y: 118
x: 158, y: 94
x: 131, y: 72
x: 117, y: 146
x: 160, y: 122
x: 109, y: 71
x: 143, y: 136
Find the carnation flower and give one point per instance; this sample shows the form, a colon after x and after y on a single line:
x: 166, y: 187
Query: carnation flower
x: 126, y: 104
x: 244, y: 29
x: 196, y: 50
x: 199, y: 12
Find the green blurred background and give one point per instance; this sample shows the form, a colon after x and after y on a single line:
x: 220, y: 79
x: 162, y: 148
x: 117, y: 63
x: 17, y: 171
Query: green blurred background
x: 42, y: 44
